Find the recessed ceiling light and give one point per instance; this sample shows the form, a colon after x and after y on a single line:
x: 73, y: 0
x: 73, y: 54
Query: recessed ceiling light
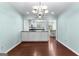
x: 27, y: 12
x: 52, y: 13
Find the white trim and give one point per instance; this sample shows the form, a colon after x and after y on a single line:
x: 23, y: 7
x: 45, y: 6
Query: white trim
x: 12, y: 47
x: 56, y: 29
x: 68, y: 47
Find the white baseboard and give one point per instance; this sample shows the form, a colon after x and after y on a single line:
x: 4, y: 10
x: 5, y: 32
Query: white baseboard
x: 69, y: 48
x: 12, y: 47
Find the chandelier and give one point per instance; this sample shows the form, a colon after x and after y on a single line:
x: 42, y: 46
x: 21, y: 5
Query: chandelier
x: 40, y: 10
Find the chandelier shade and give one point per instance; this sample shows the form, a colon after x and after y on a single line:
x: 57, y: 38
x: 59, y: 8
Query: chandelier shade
x: 40, y: 10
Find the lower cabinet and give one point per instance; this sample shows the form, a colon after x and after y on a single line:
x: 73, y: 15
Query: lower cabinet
x: 35, y: 36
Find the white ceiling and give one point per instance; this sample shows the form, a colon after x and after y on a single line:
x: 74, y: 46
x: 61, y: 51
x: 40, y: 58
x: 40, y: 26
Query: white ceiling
x: 56, y: 7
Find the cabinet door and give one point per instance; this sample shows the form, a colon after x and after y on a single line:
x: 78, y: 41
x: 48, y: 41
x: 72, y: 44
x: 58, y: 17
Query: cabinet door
x: 38, y: 36
x: 44, y: 36
x: 34, y: 36
x: 25, y: 36
x: 31, y: 36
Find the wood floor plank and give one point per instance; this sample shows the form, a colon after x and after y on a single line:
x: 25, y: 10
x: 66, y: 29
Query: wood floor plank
x: 50, y: 48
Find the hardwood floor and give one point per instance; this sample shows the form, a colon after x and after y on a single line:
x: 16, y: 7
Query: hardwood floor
x: 50, y: 48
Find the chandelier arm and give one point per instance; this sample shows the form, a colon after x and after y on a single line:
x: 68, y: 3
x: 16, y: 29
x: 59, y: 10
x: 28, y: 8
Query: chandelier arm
x: 40, y: 10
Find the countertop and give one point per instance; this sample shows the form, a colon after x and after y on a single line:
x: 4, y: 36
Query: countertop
x: 34, y: 31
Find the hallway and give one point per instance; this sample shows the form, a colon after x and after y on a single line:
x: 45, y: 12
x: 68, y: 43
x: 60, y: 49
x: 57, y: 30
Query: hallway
x: 51, y: 48
x: 30, y: 28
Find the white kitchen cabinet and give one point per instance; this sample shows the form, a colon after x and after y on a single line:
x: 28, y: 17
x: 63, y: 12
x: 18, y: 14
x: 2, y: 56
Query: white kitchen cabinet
x: 35, y: 36
x: 25, y: 36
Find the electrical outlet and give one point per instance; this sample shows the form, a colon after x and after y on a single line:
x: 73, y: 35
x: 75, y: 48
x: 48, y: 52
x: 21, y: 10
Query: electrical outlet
x: 1, y: 48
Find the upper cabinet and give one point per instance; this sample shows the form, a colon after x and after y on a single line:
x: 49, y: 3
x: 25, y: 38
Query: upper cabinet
x: 45, y: 25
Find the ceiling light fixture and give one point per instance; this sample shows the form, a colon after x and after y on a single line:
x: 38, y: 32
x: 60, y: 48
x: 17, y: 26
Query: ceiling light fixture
x: 27, y: 13
x: 52, y: 12
x: 40, y: 10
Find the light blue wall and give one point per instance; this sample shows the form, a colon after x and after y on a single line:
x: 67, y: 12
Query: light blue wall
x: 68, y: 27
x: 10, y: 27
